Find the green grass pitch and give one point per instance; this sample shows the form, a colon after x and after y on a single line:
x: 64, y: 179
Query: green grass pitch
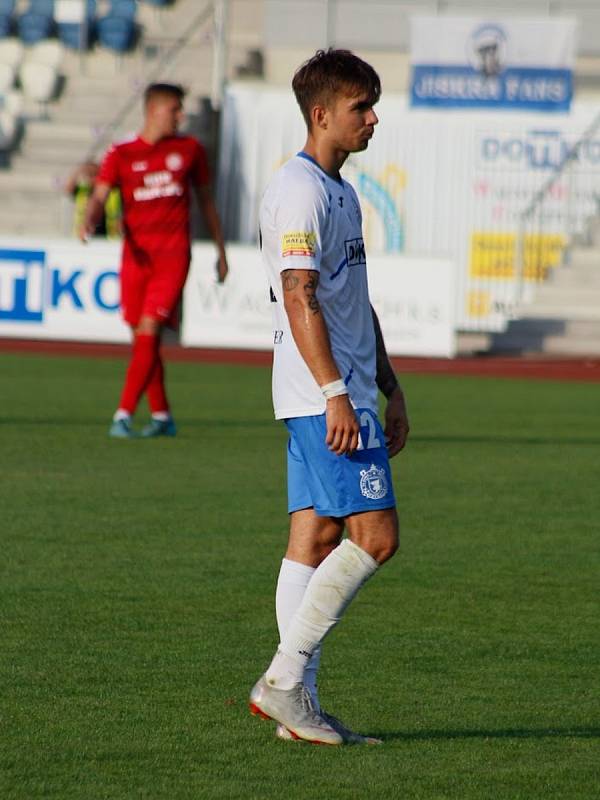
x: 137, y: 580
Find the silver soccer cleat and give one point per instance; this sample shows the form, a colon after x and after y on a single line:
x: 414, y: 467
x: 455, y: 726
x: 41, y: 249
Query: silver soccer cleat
x: 349, y: 737
x: 292, y: 708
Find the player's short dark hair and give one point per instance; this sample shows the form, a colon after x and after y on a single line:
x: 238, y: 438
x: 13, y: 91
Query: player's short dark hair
x: 329, y: 73
x: 155, y: 90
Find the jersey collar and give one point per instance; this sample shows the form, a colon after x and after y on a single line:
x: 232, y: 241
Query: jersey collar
x: 302, y: 154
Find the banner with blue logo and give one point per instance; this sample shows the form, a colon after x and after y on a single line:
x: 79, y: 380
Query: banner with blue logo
x: 469, y: 62
x: 54, y: 289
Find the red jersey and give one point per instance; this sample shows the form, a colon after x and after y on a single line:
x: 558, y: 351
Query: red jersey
x: 155, y: 180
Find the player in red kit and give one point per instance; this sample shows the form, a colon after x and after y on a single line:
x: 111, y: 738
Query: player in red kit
x: 155, y: 172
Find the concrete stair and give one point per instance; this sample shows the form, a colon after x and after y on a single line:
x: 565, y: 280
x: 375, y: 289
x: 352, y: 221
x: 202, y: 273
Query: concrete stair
x: 95, y: 88
x: 564, y: 315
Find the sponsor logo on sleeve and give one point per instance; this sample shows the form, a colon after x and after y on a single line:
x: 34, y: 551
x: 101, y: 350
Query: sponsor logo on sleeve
x: 299, y: 243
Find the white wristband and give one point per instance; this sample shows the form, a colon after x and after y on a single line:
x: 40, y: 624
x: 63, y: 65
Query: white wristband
x: 334, y: 389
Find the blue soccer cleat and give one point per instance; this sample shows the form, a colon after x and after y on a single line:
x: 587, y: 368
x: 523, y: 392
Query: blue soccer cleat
x: 121, y: 429
x: 159, y: 427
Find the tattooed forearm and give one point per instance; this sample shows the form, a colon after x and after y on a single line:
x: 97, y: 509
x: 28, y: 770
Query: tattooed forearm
x: 310, y: 290
x: 385, y: 378
x: 289, y: 281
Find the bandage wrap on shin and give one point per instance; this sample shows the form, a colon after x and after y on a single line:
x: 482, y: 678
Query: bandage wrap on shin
x: 330, y: 591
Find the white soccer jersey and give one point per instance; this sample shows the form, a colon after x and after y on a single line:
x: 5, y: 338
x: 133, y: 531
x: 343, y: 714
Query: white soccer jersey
x: 308, y: 220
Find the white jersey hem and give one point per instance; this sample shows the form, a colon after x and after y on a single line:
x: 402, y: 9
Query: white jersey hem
x: 290, y: 413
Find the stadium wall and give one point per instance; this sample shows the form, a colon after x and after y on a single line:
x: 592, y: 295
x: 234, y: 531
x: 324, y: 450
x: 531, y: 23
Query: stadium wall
x: 450, y: 183
x: 63, y: 290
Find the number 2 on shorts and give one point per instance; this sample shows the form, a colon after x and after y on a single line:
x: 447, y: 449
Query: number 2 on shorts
x: 367, y: 421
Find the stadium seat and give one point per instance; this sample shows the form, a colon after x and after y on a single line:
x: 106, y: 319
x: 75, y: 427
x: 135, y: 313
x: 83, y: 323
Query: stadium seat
x: 7, y: 6
x: 48, y: 52
x: 7, y: 77
x: 34, y: 27
x: 76, y: 31
x: 159, y: 3
x: 45, y: 7
x: 39, y: 81
x: 123, y: 8
x: 115, y: 33
x: 74, y: 36
x: 14, y: 102
x: 11, y: 52
x: 8, y: 130
x: 5, y: 25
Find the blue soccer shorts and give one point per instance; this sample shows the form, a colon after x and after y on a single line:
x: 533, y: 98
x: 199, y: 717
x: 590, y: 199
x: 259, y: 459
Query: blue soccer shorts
x: 337, y: 486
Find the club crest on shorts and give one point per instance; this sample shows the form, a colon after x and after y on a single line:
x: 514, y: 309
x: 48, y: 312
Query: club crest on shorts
x: 373, y: 483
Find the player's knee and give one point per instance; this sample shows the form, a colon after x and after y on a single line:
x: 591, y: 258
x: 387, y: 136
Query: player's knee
x: 387, y: 549
x: 148, y: 326
x: 383, y: 543
x: 328, y: 540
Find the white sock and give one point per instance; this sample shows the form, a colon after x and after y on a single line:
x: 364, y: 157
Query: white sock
x: 161, y: 416
x: 121, y: 413
x: 291, y: 585
x: 331, y: 589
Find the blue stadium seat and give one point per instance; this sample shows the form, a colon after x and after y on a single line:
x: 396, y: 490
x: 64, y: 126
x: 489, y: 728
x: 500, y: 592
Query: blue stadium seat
x: 45, y: 7
x: 4, y: 25
x: 34, y: 27
x: 6, y: 9
x: 159, y: 3
x: 70, y: 33
x: 123, y: 8
x: 115, y: 33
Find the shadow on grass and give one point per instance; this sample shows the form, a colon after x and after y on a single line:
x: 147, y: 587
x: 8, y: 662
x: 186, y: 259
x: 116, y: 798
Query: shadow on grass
x: 508, y: 733
x: 486, y: 439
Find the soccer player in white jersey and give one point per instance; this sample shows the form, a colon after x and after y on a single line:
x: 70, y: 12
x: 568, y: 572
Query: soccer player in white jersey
x: 329, y: 360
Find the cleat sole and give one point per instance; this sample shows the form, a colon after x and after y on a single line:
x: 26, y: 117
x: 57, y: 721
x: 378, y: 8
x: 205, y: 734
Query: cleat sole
x: 258, y: 712
x: 297, y: 738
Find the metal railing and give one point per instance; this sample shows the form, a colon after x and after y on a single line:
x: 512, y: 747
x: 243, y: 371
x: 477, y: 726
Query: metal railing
x: 212, y: 10
x: 557, y: 213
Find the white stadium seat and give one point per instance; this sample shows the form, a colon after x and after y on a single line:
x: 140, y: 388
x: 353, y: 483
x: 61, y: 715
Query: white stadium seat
x: 39, y: 81
x: 7, y: 77
x: 49, y: 52
x: 14, y: 102
x: 12, y: 52
x: 8, y: 130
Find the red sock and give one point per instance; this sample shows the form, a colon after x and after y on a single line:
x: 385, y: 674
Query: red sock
x: 157, y: 396
x: 140, y: 369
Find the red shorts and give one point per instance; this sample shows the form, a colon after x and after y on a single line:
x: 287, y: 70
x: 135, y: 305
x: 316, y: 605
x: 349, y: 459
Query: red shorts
x: 154, y: 288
